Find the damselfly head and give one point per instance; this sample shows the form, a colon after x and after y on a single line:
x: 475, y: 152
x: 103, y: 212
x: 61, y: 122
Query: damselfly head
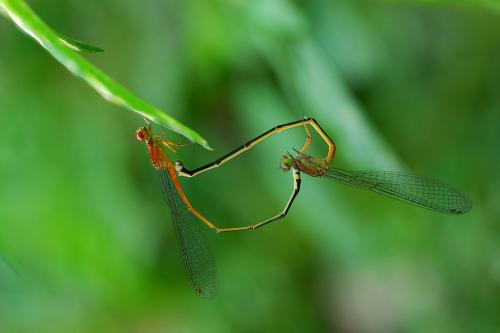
x: 143, y: 134
x: 286, y: 162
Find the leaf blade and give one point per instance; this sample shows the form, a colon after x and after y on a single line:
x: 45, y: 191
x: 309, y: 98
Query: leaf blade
x: 27, y: 20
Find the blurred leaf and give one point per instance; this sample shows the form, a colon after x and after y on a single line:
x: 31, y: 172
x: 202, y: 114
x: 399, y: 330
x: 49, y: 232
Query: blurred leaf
x: 22, y: 15
x: 321, y: 93
x: 493, y: 4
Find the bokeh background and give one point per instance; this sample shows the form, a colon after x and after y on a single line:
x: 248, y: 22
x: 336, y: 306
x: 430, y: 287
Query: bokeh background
x: 86, y: 243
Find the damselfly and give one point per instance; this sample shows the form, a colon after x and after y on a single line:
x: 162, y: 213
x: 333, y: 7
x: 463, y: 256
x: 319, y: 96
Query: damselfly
x: 403, y: 186
x: 195, y: 250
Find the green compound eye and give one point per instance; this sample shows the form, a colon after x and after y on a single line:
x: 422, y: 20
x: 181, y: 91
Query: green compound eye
x: 286, y: 162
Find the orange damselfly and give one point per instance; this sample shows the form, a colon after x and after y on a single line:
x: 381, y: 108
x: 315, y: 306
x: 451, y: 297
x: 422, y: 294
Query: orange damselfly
x: 195, y: 251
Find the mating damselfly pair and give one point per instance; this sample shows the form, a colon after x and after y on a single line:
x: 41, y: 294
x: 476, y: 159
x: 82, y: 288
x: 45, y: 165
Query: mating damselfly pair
x: 195, y: 251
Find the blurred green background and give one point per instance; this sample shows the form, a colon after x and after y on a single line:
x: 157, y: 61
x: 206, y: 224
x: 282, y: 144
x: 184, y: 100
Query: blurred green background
x: 86, y: 243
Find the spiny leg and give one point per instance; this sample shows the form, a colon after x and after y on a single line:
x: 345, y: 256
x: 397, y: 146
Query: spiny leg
x: 147, y: 122
x: 308, y: 140
x: 171, y: 145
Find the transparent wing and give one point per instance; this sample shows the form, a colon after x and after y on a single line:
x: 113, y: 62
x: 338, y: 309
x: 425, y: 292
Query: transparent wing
x: 406, y: 187
x: 195, y: 250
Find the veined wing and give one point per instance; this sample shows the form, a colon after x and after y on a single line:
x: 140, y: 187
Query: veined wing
x: 406, y: 187
x: 195, y: 251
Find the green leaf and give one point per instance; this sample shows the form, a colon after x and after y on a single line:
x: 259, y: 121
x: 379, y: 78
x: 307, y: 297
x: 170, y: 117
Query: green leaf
x: 26, y: 19
x: 79, y: 45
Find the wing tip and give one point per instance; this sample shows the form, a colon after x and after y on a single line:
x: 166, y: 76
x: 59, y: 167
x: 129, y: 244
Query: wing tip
x: 209, y: 292
x: 462, y: 209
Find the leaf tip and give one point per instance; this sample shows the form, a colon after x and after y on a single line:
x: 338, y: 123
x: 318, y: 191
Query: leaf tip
x: 205, y: 145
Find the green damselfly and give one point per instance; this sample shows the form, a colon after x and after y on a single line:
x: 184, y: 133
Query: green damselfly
x: 403, y: 186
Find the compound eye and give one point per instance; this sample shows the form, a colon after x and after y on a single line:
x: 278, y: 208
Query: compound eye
x: 140, y: 135
x: 285, y: 162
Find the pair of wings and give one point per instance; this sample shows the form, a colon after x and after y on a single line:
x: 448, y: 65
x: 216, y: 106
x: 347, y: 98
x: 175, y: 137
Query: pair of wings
x: 195, y: 251
x: 403, y: 186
